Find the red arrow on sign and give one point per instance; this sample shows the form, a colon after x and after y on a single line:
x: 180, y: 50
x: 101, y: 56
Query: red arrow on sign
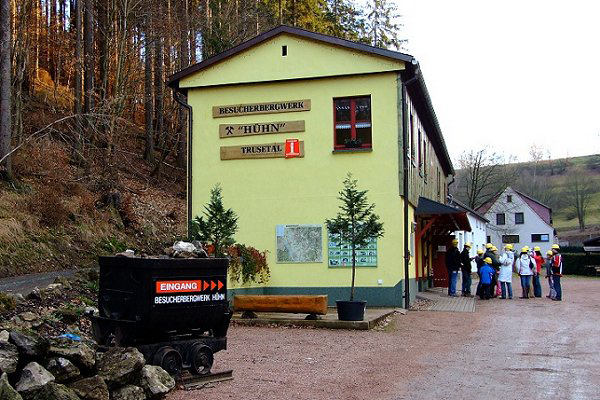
x: 212, y: 285
x: 205, y: 285
x: 220, y: 285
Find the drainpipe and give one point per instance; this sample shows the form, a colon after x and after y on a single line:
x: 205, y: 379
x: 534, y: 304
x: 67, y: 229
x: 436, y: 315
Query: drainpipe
x: 405, y: 184
x: 183, y: 102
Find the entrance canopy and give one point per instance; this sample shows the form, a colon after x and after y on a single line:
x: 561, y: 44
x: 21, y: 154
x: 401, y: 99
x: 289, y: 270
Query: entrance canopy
x: 441, y: 219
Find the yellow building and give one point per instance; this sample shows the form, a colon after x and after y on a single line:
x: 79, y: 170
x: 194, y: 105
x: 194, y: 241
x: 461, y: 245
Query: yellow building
x: 280, y: 120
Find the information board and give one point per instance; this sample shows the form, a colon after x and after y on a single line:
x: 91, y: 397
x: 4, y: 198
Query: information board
x: 340, y: 253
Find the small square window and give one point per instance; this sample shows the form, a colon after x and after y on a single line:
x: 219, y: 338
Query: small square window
x: 509, y: 198
x: 352, y: 122
x: 283, y: 51
x: 500, y: 219
x: 519, y: 218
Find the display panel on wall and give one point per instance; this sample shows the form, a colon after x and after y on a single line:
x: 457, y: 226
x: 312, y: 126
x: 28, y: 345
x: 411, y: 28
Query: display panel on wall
x: 299, y: 243
x: 340, y: 253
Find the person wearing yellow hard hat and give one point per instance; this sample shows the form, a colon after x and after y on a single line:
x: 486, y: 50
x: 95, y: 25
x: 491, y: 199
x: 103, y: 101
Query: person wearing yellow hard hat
x: 465, y: 269
x: 557, y: 264
x: 548, y: 266
x: 453, y: 266
x: 493, y: 254
x: 507, y: 260
x: 539, y: 261
x: 485, y: 279
x: 525, y: 265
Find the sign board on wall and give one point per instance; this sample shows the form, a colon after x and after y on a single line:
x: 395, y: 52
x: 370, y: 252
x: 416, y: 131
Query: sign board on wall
x: 267, y: 150
x: 261, y: 108
x: 340, y: 253
x: 263, y: 128
x: 299, y: 243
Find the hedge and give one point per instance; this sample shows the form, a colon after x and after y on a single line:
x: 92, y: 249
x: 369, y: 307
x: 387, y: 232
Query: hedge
x: 575, y: 263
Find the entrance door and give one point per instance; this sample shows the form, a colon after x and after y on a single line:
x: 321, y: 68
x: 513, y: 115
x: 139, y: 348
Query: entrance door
x: 440, y: 274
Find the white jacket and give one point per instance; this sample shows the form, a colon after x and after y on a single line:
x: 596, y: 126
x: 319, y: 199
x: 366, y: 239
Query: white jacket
x: 507, y: 260
x: 523, y: 264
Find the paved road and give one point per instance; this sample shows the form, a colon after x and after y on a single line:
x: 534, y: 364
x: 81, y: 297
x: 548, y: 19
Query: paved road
x: 517, y: 349
x: 25, y: 283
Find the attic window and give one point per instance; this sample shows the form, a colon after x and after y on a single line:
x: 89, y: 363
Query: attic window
x: 509, y: 198
x: 283, y: 51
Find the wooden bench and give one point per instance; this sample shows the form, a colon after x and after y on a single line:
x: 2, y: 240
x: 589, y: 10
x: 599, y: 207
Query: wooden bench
x: 313, y: 305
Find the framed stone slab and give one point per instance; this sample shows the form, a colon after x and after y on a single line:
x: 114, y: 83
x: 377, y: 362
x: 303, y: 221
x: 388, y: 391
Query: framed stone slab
x: 274, y: 107
x: 262, y: 128
x: 266, y: 150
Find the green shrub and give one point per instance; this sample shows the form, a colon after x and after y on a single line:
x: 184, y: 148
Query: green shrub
x: 7, y: 303
x: 575, y: 263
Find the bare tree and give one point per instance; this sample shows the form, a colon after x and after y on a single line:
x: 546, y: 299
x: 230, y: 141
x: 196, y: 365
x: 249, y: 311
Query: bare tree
x: 5, y: 89
x: 148, y: 99
x: 483, y: 175
x: 578, y: 193
x: 88, y: 48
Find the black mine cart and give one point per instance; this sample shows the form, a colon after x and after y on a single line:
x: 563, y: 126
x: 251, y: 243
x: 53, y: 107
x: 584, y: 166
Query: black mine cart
x: 174, y: 310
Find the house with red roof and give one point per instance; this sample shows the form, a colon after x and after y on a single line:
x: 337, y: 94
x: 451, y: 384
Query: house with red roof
x: 518, y: 219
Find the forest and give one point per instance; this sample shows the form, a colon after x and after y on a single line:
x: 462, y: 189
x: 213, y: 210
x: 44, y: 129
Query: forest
x: 92, y: 72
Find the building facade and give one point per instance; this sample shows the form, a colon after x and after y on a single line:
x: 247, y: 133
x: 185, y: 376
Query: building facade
x: 520, y: 220
x: 280, y: 120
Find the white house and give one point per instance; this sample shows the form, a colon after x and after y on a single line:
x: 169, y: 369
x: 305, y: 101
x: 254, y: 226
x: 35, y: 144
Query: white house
x: 478, y: 234
x: 518, y: 219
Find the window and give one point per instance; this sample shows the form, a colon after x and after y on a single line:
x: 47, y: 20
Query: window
x: 420, y: 154
x: 488, y: 239
x: 283, y: 51
x: 519, y: 218
x: 509, y: 198
x: 411, y: 138
x: 540, y: 237
x: 500, y: 219
x: 352, y: 122
x: 510, y: 238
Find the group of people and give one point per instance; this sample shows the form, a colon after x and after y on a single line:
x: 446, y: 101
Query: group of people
x: 496, y: 271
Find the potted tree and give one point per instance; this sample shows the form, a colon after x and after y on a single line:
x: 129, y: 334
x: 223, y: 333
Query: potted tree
x: 355, y: 223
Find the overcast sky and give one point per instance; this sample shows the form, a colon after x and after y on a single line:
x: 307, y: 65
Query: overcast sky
x: 508, y: 74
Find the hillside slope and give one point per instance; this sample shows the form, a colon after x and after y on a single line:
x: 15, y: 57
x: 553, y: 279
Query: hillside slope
x: 549, y: 181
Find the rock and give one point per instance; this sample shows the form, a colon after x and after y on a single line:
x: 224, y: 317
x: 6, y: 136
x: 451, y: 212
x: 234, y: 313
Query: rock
x: 35, y: 294
x: 127, y: 253
x: 87, y: 274
x: 156, y: 381
x: 7, y: 303
x: 129, y: 392
x: 7, y: 392
x: 28, y: 316
x: 54, y: 288
x: 66, y: 282
x: 93, y: 388
x: 17, y: 298
x: 169, y: 251
x: 119, y: 364
x: 69, y: 315
x: 181, y: 246
x: 54, y: 391
x: 9, y: 358
x: 185, y: 254
x: 79, y: 353
x: 31, y: 346
x: 62, y: 369
x: 33, y: 378
x: 4, y: 335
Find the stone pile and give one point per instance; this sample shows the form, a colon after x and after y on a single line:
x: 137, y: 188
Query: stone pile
x: 37, y: 368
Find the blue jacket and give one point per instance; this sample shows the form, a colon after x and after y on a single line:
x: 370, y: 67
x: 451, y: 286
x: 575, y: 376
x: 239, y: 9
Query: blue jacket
x: 486, y: 274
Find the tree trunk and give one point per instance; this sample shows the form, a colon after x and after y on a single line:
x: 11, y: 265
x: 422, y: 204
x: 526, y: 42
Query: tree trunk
x: 88, y: 38
x: 158, y: 87
x: 148, y: 104
x: 78, y: 55
x: 5, y: 91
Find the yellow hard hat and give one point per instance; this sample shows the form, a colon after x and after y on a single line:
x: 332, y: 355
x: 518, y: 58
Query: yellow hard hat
x: 455, y: 241
x: 549, y: 253
x: 480, y: 252
x: 487, y: 260
x: 537, y: 248
x: 494, y: 248
x: 525, y: 249
x: 555, y: 246
x: 468, y: 244
x: 508, y: 247
x: 489, y: 246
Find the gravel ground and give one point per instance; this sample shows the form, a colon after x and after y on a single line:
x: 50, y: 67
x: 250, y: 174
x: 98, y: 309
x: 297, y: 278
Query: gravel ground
x: 509, y: 349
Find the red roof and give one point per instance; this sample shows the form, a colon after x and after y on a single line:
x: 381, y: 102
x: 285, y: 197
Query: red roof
x: 542, y: 210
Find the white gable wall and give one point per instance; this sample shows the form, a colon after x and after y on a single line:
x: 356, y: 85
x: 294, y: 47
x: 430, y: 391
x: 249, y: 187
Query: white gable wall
x: 477, y: 236
x: 533, y: 224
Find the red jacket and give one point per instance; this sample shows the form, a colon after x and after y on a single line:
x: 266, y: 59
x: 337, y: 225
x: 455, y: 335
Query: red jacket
x: 557, y: 265
x: 539, y: 260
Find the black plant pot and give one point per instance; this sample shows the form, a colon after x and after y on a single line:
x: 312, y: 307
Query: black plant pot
x: 351, y: 310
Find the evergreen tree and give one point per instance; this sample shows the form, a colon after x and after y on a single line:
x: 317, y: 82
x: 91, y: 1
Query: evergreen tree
x: 356, y: 222
x: 345, y: 20
x: 218, y: 225
x: 382, y: 28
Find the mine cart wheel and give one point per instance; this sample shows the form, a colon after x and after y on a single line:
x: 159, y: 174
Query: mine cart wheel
x: 201, y: 359
x: 168, y: 359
